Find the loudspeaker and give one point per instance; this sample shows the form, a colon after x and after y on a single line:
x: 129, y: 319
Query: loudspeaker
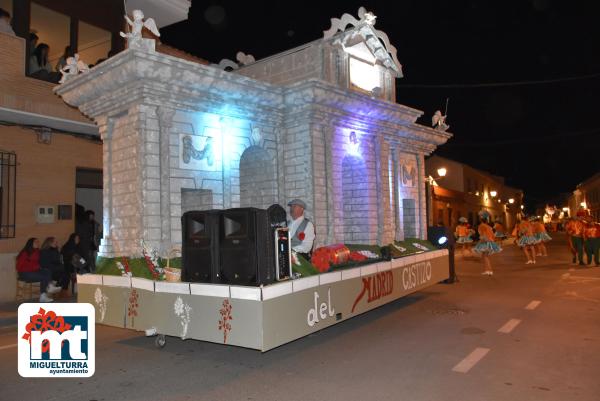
x: 246, y: 247
x: 200, y: 246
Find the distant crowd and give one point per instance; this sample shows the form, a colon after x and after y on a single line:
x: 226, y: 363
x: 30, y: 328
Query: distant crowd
x: 531, y: 236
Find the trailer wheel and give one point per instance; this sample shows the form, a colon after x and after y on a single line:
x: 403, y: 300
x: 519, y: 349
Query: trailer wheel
x: 160, y: 341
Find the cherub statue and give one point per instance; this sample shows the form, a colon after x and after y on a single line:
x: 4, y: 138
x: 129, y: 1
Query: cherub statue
x: 134, y: 38
x: 244, y: 59
x: 72, y: 68
x: 366, y: 16
x: 438, y: 121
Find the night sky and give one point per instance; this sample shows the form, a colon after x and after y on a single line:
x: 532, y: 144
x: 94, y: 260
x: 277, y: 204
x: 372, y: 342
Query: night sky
x: 523, y: 77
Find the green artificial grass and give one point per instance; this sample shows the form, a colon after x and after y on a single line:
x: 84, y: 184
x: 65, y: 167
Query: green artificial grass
x: 108, y: 266
x: 305, y: 268
x: 138, y: 267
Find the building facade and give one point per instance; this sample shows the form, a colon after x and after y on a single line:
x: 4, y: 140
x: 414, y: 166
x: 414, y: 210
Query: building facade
x: 464, y: 191
x: 586, y: 196
x: 50, y: 154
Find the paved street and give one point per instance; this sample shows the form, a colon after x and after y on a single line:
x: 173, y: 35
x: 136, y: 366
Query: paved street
x: 530, y: 332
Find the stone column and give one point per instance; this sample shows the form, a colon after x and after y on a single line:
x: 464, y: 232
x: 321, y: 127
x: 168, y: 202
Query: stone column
x: 226, y: 166
x: 105, y: 126
x: 398, y: 234
x: 165, y: 121
x: 422, y: 205
x: 379, y: 184
x: 328, y: 132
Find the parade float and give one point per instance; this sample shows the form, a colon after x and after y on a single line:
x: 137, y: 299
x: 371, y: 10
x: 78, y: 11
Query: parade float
x: 318, y: 122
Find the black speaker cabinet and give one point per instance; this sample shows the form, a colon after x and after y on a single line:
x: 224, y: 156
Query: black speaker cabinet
x: 200, y: 250
x: 246, y: 247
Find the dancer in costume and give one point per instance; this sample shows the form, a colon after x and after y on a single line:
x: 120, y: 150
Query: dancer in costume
x: 499, y: 233
x: 463, y: 235
x: 591, y: 235
x: 575, y: 230
x: 568, y: 226
x: 539, y: 230
x: 487, y: 243
x: 527, y: 240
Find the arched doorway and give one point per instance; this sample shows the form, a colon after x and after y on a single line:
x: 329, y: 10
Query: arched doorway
x: 356, y: 201
x: 258, y: 182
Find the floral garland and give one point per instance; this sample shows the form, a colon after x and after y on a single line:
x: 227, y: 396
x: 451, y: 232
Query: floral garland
x: 124, y: 267
x: 151, y: 258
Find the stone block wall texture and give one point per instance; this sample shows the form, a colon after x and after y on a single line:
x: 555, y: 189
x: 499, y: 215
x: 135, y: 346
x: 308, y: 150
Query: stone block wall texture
x: 285, y: 68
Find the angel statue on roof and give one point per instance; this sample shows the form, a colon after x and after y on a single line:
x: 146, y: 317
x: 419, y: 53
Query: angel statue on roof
x: 72, y: 68
x: 134, y: 37
x: 438, y: 121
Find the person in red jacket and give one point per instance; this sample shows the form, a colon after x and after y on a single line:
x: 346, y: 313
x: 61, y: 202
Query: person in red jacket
x: 29, y: 270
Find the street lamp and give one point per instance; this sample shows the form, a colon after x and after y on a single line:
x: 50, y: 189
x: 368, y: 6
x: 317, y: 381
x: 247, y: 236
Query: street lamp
x: 511, y: 201
x: 522, y: 207
x: 442, y: 171
x: 493, y: 194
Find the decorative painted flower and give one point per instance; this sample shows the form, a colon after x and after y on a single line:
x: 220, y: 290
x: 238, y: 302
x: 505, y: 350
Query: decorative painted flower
x: 226, y: 317
x: 133, y: 304
x: 178, y: 306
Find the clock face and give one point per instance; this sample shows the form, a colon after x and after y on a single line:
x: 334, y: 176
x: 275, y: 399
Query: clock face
x: 364, y: 75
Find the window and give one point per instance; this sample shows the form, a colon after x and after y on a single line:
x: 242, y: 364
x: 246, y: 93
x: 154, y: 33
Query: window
x: 53, y: 29
x: 363, y: 75
x: 8, y: 177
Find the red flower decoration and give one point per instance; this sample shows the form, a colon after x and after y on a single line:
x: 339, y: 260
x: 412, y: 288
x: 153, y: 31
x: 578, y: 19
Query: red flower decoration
x: 301, y: 236
x: 125, y: 264
x: 226, y: 317
x: 133, y: 304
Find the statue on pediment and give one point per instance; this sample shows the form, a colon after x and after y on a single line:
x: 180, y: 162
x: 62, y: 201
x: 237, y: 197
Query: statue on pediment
x: 134, y: 38
x: 438, y: 121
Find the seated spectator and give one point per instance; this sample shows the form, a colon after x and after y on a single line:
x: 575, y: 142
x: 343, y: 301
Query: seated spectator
x: 32, y: 40
x: 62, y: 61
x: 5, y: 26
x: 50, y: 259
x: 39, y: 67
x: 29, y: 270
x: 72, y: 258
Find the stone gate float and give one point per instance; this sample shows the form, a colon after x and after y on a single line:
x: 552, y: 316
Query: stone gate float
x: 317, y: 122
